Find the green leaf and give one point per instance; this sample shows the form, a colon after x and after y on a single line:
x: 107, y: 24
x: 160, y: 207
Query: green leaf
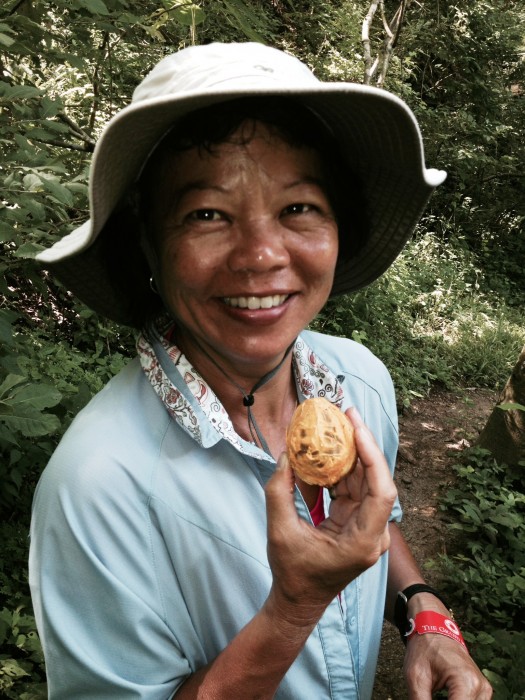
x: 243, y: 18
x: 34, y: 208
x: 22, y: 92
x: 58, y: 191
x: 6, y: 40
x: 28, y: 250
x: 38, y: 396
x: 189, y: 15
x: 127, y: 18
x: 511, y: 407
x: 6, y: 331
x: 505, y: 519
x: 7, y: 232
x: 10, y: 382
x: 96, y: 7
x: 7, y: 437
x: 50, y: 107
x: 31, y: 425
x: 32, y: 182
x: 11, y: 668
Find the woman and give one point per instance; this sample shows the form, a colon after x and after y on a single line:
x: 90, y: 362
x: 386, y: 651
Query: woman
x: 174, y: 553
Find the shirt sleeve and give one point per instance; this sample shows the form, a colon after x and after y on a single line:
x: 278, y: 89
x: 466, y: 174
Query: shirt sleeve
x: 380, y: 413
x: 368, y: 386
x: 94, y: 580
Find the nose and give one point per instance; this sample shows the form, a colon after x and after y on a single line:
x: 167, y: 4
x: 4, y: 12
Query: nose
x: 259, y: 246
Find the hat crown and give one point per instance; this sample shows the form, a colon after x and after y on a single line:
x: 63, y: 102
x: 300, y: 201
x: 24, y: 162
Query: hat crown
x: 212, y: 66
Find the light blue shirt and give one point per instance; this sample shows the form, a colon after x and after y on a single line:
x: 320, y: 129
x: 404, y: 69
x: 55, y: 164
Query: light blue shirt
x: 148, y: 547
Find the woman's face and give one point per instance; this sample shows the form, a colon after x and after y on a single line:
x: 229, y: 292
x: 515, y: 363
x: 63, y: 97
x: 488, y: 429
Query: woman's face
x: 247, y: 245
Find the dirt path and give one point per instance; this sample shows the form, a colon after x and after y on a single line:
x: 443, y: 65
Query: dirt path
x: 432, y: 432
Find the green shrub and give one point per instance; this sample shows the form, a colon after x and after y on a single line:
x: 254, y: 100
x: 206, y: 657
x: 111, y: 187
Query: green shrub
x: 432, y: 319
x: 485, y: 578
x: 43, y: 384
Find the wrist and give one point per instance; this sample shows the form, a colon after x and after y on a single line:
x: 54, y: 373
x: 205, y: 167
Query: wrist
x: 425, y: 601
x: 413, y: 600
x: 430, y: 622
x: 291, y: 616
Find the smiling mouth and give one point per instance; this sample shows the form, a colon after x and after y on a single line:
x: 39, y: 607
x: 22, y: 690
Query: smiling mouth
x: 254, y: 303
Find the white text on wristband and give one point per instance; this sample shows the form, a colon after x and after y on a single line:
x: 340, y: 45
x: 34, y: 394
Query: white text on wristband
x: 430, y: 622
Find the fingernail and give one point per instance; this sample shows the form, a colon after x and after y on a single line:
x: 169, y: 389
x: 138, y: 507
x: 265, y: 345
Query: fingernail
x: 282, y: 462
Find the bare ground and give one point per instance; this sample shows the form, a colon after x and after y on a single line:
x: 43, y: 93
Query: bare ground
x: 432, y: 433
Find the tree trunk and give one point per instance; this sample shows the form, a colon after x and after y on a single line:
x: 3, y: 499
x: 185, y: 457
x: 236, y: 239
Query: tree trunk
x: 504, y: 433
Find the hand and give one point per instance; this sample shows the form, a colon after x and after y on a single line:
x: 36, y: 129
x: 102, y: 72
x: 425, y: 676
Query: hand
x: 311, y: 565
x: 433, y: 662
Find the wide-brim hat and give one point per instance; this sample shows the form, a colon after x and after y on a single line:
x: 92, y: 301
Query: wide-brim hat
x: 377, y: 133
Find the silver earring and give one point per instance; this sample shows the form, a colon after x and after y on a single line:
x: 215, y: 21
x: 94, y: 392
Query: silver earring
x: 153, y: 286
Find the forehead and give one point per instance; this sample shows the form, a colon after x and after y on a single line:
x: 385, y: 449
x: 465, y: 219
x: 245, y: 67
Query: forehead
x: 254, y: 146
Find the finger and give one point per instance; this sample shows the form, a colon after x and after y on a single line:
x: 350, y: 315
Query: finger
x: 380, y: 492
x: 370, y: 455
x: 367, y: 447
x: 280, y: 505
x: 350, y: 486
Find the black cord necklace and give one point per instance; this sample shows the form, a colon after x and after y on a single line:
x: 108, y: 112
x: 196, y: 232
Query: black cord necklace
x: 248, y: 399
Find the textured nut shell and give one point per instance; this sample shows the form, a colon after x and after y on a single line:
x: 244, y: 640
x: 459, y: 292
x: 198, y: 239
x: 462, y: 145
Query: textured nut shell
x: 320, y: 443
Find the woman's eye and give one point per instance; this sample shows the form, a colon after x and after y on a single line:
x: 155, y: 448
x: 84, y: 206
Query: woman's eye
x: 205, y: 215
x: 298, y: 208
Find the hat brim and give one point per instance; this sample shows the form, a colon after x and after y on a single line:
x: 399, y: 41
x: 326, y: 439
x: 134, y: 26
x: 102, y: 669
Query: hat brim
x: 379, y: 139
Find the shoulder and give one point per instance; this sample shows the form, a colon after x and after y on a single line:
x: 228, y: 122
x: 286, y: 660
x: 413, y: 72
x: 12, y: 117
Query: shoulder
x: 364, y: 382
x: 351, y: 359
x: 122, y: 426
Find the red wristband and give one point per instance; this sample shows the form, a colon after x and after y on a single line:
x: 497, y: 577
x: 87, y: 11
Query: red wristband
x: 430, y: 622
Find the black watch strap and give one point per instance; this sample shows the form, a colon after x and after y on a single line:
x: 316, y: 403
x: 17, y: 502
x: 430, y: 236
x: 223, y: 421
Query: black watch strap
x: 401, y: 620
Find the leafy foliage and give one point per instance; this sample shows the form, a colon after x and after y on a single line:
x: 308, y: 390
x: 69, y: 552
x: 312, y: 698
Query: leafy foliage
x: 45, y: 384
x: 468, y: 70
x: 486, y: 575
x: 432, y: 319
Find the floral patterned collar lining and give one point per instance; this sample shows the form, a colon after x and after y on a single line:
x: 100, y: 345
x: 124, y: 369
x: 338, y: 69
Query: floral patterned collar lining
x: 313, y: 378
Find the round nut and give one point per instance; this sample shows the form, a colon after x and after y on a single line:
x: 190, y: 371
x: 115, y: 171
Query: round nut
x: 320, y: 443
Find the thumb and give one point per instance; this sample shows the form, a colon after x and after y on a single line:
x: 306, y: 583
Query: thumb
x: 279, y: 492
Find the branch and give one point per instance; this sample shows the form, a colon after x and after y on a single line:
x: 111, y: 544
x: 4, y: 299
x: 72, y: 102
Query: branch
x: 84, y: 148
x: 96, y: 73
x: 392, y: 32
x: 370, y: 66
x: 79, y: 131
x: 506, y: 176
x: 398, y: 21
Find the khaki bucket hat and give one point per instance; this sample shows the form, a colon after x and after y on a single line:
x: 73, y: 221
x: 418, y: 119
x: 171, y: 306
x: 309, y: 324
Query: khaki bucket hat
x: 377, y: 133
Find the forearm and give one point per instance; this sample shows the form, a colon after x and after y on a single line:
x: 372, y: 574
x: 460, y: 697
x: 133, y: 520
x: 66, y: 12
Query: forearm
x: 256, y: 660
x: 403, y: 571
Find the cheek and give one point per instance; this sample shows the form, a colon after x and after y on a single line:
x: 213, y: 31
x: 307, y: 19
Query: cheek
x: 324, y: 257
x: 185, y: 270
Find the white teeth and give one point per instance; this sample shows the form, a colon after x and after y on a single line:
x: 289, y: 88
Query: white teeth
x: 254, y: 303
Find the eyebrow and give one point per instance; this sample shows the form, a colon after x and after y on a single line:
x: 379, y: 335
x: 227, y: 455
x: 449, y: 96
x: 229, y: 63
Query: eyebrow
x: 307, y: 180
x: 203, y: 185
x: 199, y: 185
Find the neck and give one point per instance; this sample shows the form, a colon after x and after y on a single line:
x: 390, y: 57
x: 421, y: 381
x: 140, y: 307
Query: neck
x: 265, y: 390
x: 274, y: 402
x: 243, y: 376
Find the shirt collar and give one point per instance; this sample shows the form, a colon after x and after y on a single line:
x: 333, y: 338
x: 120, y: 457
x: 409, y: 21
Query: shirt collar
x: 194, y: 405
